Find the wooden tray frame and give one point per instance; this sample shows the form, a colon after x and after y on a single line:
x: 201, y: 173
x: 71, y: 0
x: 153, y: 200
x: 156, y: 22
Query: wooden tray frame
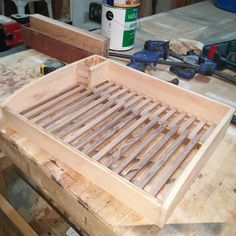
x: 92, y: 71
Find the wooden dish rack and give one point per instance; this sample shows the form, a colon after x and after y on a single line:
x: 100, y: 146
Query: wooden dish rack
x: 140, y: 139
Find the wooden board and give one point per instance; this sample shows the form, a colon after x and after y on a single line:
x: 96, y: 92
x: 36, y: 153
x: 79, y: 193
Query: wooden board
x: 51, y: 46
x: 15, y: 218
x: 62, y: 41
x: 146, y: 191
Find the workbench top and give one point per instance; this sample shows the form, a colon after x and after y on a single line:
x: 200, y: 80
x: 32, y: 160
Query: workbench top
x: 209, y: 206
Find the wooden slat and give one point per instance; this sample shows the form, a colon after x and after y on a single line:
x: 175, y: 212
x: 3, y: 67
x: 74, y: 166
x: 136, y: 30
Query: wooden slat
x: 177, y: 119
x: 123, y: 135
x: 71, y: 112
x: 136, y: 112
x: 57, y: 95
x: 73, y: 136
x: 15, y: 218
x: 111, y: 124
x: 160, y: 110
x: 52, y: 46
x: 128, y: 143
x: 168, y: 115
x: 207, y: 133
x: 140, y: 148
x: 197, y: 129
x: 94, y: 122
x: 187, y: 123
x: 91, y: 114
x: 77, y: 112
x: 149, y: 155
x: 120, y: 137
x: 53, y: 101
x: 174, y: 165
x: 161, y: 159
x: 66, y: 102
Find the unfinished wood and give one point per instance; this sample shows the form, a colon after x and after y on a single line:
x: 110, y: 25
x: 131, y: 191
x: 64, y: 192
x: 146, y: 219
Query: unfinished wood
x: 51, y: 46
x: 139, y: 149
x: 163, y: 131
x: 162, y: 159
x: 147, y: 85
x: 174, y: 165
x: 71, y: 35
x: 148, y: 156
x: 15, y: 218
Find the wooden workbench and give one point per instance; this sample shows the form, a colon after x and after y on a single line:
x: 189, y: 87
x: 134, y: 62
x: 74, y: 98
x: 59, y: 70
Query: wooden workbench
x: 208, y: 208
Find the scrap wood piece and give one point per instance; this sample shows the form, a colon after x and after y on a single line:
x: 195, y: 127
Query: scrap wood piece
x: 15, y: 217
x: 62, y: 41
x: 70, y: 35
x: 51, y: 46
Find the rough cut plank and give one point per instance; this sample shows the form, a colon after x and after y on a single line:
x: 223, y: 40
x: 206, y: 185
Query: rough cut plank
x: 51, y: 46
x: 15, y: 218
x: 71, y: 35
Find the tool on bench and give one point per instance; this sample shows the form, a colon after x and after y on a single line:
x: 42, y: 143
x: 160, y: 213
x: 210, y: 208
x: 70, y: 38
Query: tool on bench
x: 223, y: 53
x: 50, y: 65
x: 154, y: 50
x: 10, y: 30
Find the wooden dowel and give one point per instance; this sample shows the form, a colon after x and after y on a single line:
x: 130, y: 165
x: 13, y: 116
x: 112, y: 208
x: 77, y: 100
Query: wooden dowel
x: 149, y: 155
x: 174, y: 165
x: 161, y: 159
x: 139, y: 149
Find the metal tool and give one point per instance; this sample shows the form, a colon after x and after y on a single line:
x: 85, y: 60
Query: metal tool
x: 50, y: 65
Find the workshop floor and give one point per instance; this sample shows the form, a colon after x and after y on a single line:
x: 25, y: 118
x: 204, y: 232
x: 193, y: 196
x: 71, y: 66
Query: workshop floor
x: 33, y: 208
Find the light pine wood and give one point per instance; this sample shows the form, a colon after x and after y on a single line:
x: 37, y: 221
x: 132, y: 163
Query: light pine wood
x: 108, y: 139
x: 15, y: 218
